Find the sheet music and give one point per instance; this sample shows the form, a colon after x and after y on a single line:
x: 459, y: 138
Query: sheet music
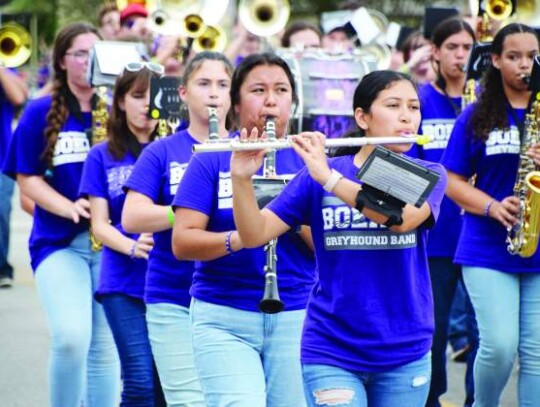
x: 402, y: 183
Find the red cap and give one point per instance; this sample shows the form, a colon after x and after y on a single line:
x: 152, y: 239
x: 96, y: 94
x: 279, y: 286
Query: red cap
x: 133, y: 9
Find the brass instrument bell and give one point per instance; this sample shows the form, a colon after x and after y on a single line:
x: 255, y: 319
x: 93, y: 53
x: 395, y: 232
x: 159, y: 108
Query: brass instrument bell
x: 264, y: 17
x: 15, y: 45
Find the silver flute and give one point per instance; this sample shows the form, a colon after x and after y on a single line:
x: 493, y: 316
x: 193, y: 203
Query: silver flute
x: 235, y: 144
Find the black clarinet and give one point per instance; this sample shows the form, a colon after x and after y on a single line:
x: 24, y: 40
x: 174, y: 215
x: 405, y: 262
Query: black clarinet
x: 270, y: 304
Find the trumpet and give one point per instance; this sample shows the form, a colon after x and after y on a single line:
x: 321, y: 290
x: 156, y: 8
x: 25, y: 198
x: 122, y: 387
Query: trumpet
x: 235, y: 144
x: 212, y: 39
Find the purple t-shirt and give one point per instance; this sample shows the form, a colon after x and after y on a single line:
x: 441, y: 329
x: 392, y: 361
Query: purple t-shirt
x: 156, y: 174
x: 482, y: 241
x: 104, y: 177
x: 50, y: 232
x: 238, y: 280
x: 372, y: 308
x: 438, y: 117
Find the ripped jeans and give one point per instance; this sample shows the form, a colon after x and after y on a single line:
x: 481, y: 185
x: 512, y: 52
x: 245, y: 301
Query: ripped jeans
x: 406, y: 385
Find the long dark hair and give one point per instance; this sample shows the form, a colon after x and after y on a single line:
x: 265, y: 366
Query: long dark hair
x: 59, y: 111
x: 248, y: 64
x: 121, y: 139
x: 442, y: 32
x: 365, y: 94
x: 490, y: 111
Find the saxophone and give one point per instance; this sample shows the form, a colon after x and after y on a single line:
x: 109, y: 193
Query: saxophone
x: 100, y: 115
x: 522, y: 238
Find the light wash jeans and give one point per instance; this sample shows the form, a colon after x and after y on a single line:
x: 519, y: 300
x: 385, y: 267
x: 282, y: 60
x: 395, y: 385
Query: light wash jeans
x: 169, y: 330
x: 507, y: 308
x: 83, y: 363
x: 6, y: 192
x: 406, y: 386
x: 248, y: 359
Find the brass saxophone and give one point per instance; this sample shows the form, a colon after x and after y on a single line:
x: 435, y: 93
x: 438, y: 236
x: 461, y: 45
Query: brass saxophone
x: 469, y: 94
x: 100, y: 115
x: 522, y: 238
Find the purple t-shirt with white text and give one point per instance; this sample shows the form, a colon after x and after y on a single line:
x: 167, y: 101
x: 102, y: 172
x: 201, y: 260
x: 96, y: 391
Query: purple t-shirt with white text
x: 238, y: 280
x: 50, y: 232
x: 104, y: 177
x: 482, y: 241
x: 372, y: 307
x: 438, y: 117
x: 156, y: 174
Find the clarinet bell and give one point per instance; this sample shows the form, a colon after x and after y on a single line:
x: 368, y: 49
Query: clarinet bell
x: 271, y: 304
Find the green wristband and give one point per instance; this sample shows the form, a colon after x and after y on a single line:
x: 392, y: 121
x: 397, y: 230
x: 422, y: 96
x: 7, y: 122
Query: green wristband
x: 170, y: 215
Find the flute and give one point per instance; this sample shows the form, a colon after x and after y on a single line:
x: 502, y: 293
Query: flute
x: 235, y: 144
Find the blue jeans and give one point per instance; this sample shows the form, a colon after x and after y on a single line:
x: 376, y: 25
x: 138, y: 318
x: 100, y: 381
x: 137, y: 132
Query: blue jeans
x: 6, y: 192
x: 126, y: 316
x: 247, y: 358
x: 444, y: 279
x: 83, y: 363
x: 406, y: 385
x: 507, y: 308
x: 169, y: 330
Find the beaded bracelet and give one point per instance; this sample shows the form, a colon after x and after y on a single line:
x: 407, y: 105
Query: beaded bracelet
x: 132, y: 250
x: 228, y: 247
x: 488, y: 206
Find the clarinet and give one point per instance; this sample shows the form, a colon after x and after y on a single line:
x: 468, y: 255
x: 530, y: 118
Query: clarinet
x: 270, y: 303
x: 213, y: 124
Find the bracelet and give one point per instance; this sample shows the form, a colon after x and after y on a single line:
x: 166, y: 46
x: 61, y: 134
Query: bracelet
x: 488, y: 206
x: 228, y: 247
x: 132, y: 250
x: 331, y: 182
x: 170, y: 215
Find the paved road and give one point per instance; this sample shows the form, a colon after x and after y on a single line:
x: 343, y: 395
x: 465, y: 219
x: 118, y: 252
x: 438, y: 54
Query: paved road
x: 24, y: 339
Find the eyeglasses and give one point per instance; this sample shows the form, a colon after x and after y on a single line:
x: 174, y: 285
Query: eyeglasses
x: 151, y: 66
x: 80, y: 55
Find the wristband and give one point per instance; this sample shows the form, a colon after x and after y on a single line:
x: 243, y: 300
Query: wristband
x: 132, y: 250
x: 170, y: 215
x: 228, y: 247
x: 331, y: 182
x: 488, y: 206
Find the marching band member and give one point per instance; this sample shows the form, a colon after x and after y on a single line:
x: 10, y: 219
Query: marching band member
x: 152, y: 186
x: 369, y: 325
x: 440, y: 103
x: 123, y: 261
x: 48, y: 150
x: 417, y: 54
x: 243, y: 357
x: 504, y: 289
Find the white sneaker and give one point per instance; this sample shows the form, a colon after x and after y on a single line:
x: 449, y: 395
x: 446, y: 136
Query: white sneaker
x: 6, y: 282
